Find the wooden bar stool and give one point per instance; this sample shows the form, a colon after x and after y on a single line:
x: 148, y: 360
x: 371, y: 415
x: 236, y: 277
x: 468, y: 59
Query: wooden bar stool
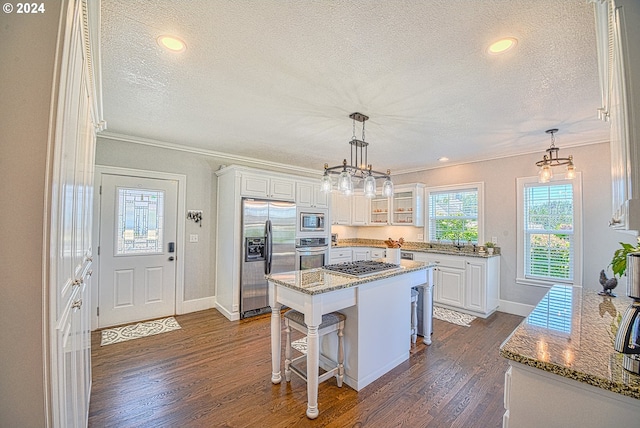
x: 414, y: 315
x: 331, y: 322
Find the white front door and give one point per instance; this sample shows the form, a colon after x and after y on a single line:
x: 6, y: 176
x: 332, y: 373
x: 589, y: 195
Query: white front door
x: 137, y: 249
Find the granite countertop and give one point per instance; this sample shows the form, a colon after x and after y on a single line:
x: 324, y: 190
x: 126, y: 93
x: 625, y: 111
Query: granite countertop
x: 418, y: 247
x: 319, y: 280
x: 571, y: 333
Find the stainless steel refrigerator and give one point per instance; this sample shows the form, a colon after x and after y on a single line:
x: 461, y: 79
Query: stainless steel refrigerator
x: 268, y: 246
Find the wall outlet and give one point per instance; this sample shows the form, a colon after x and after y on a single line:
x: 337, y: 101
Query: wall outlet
x: 494, y: 239
x: 193, y: 238
x: 420, y: 237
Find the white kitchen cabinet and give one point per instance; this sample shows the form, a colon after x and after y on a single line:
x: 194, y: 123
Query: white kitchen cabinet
x: 450, y: 276
x: 360, y: 207
x: 618, y: 38
x: 407, y: 205
x: 468, y: 284
x: 536, y: 398
x: 379, y: 215
x: 310, y: 195
x: 340, y: 255
x: 340, y: 209
x: 269, y: 187
x: 378, y: 253
x: 482, y: 292
x: 360, y: 253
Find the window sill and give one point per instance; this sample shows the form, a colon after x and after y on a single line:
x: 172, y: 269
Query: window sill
x: 542, y: 283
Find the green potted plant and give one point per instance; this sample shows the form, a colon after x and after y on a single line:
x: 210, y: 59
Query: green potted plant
x: 619, y: 261
x: 489, y: 246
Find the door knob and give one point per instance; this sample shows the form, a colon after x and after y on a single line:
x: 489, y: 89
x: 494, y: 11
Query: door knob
x: 171, y: 258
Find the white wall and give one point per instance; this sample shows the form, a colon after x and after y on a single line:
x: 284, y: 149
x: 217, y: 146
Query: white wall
x: 500, y: 190
x: 200, y: 195
x: 499, y: 177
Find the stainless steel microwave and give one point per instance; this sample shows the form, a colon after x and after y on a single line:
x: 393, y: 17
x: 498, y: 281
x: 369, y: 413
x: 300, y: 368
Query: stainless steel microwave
x: 312, y: 221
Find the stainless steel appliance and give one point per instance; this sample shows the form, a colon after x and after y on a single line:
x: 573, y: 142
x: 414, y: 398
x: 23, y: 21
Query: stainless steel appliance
x: 312, y: 221
x: 334, y: 239
x: 362, y: 268
x: 628, y: 336
x: 311, y: 252
x: 268, y: 246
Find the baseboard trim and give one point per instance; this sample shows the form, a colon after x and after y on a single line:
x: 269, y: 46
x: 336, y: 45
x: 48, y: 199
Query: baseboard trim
x: 515, y: 308
x: 231, y: 316
x: 196, y: 305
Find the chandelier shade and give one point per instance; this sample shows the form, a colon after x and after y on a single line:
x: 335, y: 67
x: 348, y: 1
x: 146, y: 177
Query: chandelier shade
x: 358, y: 170
x: 552, y: 159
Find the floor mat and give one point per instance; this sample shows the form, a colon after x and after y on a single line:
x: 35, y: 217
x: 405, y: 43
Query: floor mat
x: 136, y: 331
x: 453, y: 317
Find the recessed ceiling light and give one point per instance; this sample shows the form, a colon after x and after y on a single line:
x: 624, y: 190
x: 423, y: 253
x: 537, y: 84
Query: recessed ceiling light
x: 172, y: 43
x: 502, y: 46
x: 443, y: 159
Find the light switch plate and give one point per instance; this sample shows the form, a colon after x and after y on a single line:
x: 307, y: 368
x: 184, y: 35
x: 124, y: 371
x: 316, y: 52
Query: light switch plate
x: 193, y: 238
x: 494, y: 239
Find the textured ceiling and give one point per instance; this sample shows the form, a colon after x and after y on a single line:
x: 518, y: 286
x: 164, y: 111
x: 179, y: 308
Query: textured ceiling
x: 277, y: 79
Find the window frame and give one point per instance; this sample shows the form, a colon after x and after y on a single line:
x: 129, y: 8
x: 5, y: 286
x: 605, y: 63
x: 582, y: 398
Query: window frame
x: 477, y: 186
x: 521, y: 252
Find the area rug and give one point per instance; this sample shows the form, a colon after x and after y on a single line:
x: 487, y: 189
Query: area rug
x: 136, y: 331
x: 453, y: 317
x: 300, y: 345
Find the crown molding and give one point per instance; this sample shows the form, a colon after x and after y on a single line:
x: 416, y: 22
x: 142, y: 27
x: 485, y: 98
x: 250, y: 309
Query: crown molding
x: 259, y: 163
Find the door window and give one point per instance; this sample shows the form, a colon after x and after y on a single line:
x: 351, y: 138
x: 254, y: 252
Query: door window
x: 139, y: 221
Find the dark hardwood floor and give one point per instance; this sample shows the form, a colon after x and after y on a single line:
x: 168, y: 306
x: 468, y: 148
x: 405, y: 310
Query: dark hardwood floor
x: 216, y: 373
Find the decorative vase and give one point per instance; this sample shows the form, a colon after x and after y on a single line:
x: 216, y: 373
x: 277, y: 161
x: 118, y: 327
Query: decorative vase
x: 393, y: 255
x: 490, y: 250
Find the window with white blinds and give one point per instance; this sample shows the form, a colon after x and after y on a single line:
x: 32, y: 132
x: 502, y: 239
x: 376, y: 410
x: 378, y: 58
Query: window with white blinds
x: 455, y: 214
x: 549, y: 231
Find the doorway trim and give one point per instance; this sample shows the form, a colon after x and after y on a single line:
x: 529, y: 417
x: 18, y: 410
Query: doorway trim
x: 180, y: 230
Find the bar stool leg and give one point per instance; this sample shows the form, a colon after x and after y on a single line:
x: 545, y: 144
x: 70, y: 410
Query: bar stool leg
x: 287, y: 351
x: 340, y: 376
x: 414, y: 321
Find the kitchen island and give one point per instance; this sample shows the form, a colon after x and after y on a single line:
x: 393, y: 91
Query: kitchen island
x: 563, y: 368
x: 377, y: 331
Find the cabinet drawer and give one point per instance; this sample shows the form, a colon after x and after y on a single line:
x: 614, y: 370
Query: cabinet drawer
x: 455, y: 263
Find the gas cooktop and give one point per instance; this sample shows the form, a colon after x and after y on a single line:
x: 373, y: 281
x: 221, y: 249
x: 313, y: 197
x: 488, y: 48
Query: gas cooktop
x: 361, y: 269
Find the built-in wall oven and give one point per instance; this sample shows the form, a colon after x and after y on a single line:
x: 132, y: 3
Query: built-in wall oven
x: 311, y: 252
x: 312, y: 221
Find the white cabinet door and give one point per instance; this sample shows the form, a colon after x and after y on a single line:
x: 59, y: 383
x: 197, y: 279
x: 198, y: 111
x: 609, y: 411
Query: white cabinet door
x: 320, y: 198
x: 475, y: 292
x: 254, y: 185
x: 450, y: 285
x: 341, y: 255
x: 379, y: 211
x: 311, y: 195
x: 283, y: 189
x: 407, y: 205
x: 264, y: 186
x: 340, y: 209
x: 361, y: 254
x: 359, y: 210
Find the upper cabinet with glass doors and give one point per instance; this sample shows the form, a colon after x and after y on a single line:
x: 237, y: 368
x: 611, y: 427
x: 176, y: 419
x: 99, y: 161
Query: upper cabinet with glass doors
x: 407, y: 205
x: 379, y: 211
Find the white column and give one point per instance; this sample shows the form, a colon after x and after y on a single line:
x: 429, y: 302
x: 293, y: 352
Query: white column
x: 313, y: 361
x: 276, y: 376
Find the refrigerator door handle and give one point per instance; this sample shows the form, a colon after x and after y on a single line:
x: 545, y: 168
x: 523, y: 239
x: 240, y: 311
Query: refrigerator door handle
x: 267, y: 247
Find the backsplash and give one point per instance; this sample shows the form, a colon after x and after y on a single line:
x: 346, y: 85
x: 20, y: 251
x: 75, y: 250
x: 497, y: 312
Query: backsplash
x: 408, y: 245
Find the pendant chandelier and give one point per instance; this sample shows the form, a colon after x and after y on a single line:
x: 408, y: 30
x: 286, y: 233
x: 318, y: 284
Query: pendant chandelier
x: 358, y: 170
x: 552, y: 159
